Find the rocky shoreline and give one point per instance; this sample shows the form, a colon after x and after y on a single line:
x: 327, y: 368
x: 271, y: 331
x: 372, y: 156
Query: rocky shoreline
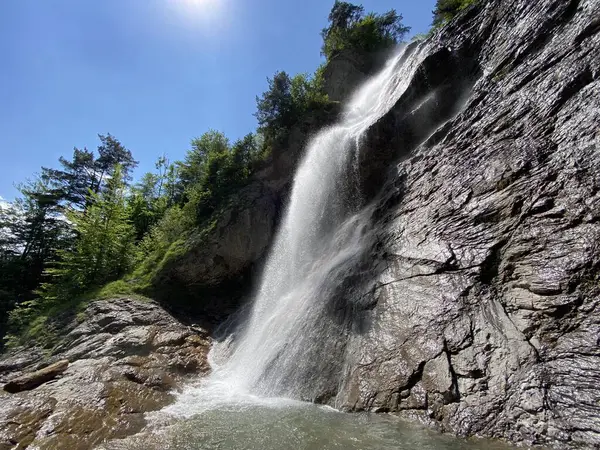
x: 125, y: 358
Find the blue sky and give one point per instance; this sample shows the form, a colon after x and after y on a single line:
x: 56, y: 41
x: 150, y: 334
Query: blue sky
x: 154, y: 73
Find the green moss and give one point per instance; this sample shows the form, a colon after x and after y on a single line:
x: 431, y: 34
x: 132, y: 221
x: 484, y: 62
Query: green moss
x: 80, y: 316
x: 116, y: 289
x: 141, y: 280
x: 166, y: 254
x: 174, y: 252
x: 501, y: 74
x: 36, y: 332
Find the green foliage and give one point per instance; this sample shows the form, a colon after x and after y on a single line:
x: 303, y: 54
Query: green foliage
x: 31, y: 326
x: 174, y: 226
x: 32, y: 232
x: 211, y: 144
x: 151, y: 196
x: 274, y: 109
x: 72, y: 183
x: 104, y: 244
x: 350, y: 28
x: 76, y: 177
x: 213, y: 170
x: 70, y: 230
x: 287, y: 101
x: 115, y: 289
x: 38, y: 323
x: 446, y: 10
x: 113, y: 154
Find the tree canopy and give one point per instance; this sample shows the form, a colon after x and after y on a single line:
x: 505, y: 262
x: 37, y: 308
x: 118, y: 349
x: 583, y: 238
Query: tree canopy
x: 287, y: 101
x: 446, y: 10
x: 85, y: 172
x: 350, y: 28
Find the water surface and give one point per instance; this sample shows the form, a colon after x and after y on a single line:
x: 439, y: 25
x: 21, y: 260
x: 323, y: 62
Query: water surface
x: 201, y: 420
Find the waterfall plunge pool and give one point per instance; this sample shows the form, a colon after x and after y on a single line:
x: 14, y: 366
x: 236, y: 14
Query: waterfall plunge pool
x: 216, y: 418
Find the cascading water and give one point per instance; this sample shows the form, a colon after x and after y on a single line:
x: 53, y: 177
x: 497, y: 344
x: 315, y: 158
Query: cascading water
x: 293, y: 342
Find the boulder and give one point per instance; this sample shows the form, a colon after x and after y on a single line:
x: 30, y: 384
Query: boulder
x: 32, y: 380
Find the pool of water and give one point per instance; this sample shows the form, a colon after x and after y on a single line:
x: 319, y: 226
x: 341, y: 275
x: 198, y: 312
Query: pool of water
x: 232, y: 421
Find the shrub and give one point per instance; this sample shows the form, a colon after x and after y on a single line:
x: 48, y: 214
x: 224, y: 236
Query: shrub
x: 446, y: 10
x: 350, y: 28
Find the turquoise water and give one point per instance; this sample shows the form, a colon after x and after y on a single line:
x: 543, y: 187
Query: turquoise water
x: 292, y: 425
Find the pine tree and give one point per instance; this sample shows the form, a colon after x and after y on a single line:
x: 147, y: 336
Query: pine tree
x: 111, y: 153
x: 104, y: 245
x: 72, y: 182
x: 84, y: 172
x: 33, y: 231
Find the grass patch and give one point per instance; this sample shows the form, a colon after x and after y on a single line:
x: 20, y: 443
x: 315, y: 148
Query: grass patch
x: 44, y: 325
x: 116, y: 289
x: 38, y: 324
x: 141, y: 280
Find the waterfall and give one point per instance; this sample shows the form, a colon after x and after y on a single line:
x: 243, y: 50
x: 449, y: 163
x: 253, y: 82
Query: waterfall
x: 292, y: 343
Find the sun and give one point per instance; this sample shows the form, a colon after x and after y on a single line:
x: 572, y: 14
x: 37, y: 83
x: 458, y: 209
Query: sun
x: 208, y: 17
x: 199, y: 4
x: 197, y: 8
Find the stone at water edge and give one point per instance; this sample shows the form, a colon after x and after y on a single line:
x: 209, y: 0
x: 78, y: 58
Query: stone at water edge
x: 32, y: 380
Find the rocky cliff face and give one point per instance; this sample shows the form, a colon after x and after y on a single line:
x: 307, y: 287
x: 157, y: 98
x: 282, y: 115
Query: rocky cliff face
x: 482, y: 293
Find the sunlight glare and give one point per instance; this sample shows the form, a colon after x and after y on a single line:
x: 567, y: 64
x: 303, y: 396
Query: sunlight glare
x: 198, y: 5
x: 208, y: 18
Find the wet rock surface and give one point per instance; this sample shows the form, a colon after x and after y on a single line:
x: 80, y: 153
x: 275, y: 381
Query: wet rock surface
x: 346, y: 71
x: 124, y: 358
x: 484, y: 316
x: 32, y: 380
